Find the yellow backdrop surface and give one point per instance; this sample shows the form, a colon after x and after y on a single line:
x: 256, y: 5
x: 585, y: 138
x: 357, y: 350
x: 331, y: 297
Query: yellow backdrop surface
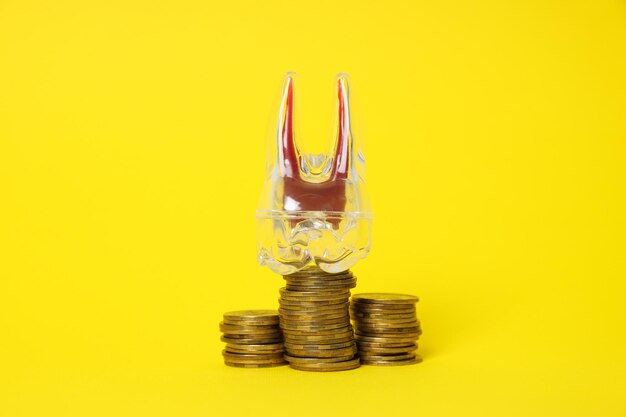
x: 132, y: 146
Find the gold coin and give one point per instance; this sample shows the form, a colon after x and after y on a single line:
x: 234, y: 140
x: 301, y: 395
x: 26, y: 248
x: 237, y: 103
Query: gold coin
x: 238, y: 356
x: 250, y: 358
x: 322, y: 289
x: 255, y: 361
x: 319, y: 278
x: 313, y: 336
x: 306, y: 321
x: 314, y: 300
x: 378, y: 315
x: 312, y: 293
x: 386, y: 339
x: 321, y: 282
x: 298, y: 360
x: 358, y: 311
x: 251, y: 323
x: 255, y: 365
x: 302, y: 304
x: 416, y: 359
x: 316, y: 282
x: 327, y: 318
x: 370, y: 356
x: 381, y: 319
x: 387, y: 323
x: 342, y: 283
x: 299, y: 295
x: 258, y: 346
x: 386, y: 330
x: 229, y: 328
x: 314, y: 311
x: 252, y: 333
x: 249, y: 335
x: 312, y: 305
x: 285, y: 302
x: 308, y: 272
x: 317, y: 346
x: 318, y: 343
x: 310, y: 326
x: 267, y: 336
x: 315, y: 327
x: 264, y: 327
x: 317, y: 300
x: 389, y: 336
x: 322, y: 353
x: 255, y: 349
x: 327, y: 367
x: 312, y: 339
x: 251, y: 315
x: 387, y: 350
x: 239, y: 326
x: 313, y: 323
x: 321, y: 329
x: 373, y: 345
x: 319, y: 340
x: 287, y: 320
x: 385, y: 298
x: 383, y: 328
x: 316, y: 272
x: 251, y: 340
x: 230, y: 349
x: 385, y: 316
x: 391, y: 327
x: 382, y: 308
x: 314, y: 315
x: 276, y: 334
x: 264, y: 321
x: 304, y: 309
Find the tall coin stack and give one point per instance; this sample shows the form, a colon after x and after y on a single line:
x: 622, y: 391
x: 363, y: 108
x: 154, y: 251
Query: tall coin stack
x: 315, y: 321
x: 386, y: 328
x: 253, y: 339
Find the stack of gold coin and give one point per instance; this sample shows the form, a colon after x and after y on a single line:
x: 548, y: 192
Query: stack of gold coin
x: 386, y: 328
x: 315, y: 321
x: 253, y: 339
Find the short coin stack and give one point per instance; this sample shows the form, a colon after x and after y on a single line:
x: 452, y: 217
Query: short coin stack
x: 315, y: 321
x: 386, y: 328
x: 253, y: 339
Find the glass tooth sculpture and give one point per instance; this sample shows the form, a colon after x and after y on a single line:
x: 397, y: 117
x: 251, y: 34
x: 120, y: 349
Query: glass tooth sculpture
x: 314, y: 210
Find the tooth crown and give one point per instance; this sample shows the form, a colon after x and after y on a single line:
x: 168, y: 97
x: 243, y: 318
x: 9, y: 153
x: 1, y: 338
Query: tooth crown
x: 313, y: 217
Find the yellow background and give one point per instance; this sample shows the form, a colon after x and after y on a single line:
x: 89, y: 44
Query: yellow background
x: 132, y: 140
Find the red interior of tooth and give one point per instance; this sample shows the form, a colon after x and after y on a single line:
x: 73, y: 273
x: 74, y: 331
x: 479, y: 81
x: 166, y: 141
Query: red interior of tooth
x: 342, y: 157
x: 289, y: 160
x: 325, y: 196
x: 329, y: 195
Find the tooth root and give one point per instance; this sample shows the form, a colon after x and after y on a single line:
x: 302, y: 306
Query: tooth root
x: 287, y: 152
x: 342, y: 159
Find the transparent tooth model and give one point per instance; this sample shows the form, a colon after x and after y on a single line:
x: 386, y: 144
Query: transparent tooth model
x: 314, y: 209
